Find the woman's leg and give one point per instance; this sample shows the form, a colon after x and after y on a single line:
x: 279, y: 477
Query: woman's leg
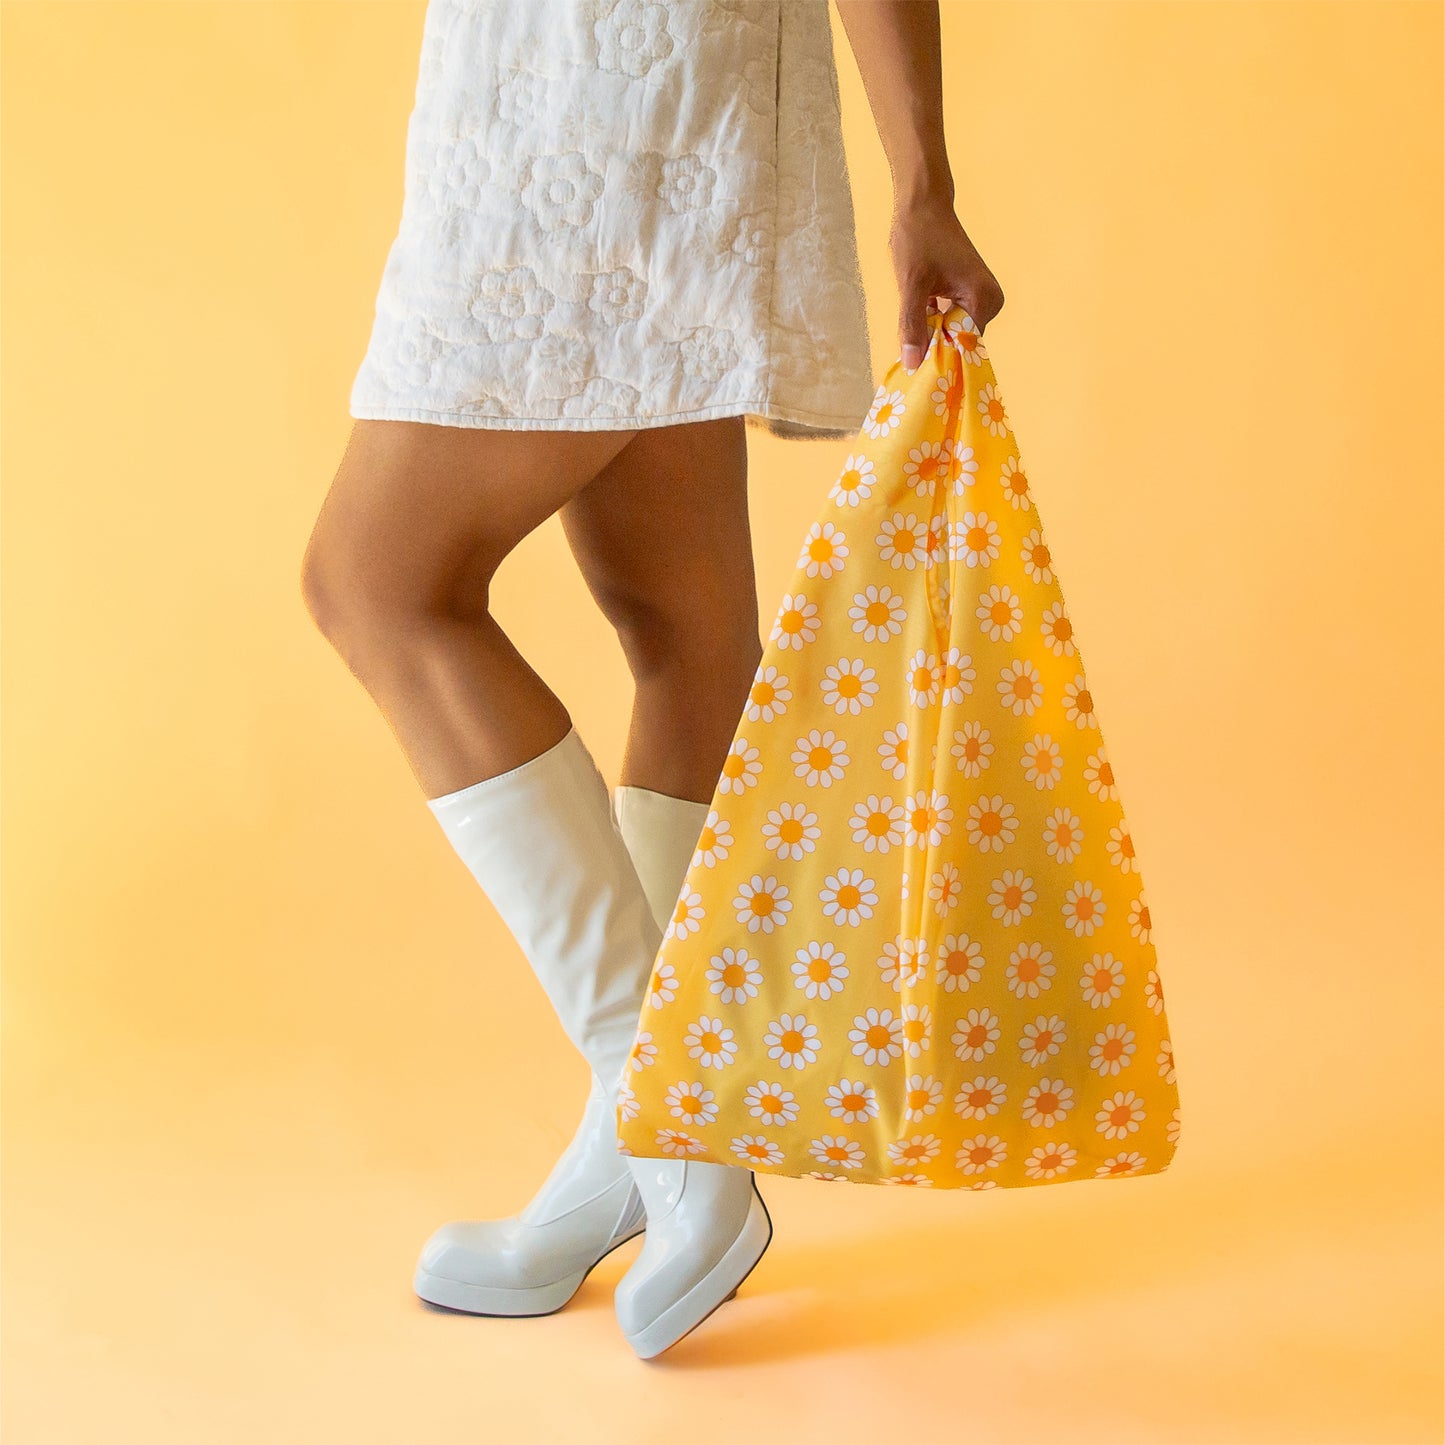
x: 662, y: 538
x: 397, y: 574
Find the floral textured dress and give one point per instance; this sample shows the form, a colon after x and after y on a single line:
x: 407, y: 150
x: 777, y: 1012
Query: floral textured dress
x: 620, y: 214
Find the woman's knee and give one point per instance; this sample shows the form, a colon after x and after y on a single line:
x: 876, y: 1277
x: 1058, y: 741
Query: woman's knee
x: 376, y: 601
x: 702, y: 637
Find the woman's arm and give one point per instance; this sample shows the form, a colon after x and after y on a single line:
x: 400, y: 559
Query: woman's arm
x: 896, y: 45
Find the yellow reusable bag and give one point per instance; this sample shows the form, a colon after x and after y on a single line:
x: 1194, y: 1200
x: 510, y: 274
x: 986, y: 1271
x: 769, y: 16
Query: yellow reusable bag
x: 912, y: 946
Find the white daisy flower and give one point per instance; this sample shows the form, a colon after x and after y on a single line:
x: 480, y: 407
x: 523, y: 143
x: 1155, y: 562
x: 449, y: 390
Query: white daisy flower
x: 687, y: 914
x: 825, y: 549
x: 878, y: 613
x: 904, y: 541
x: 797, y: 622
x: 917, y: 1150
x: 981, y: 1098
x: 945, y: 888
x: 791, y: 830
x: 1049, y: 1161
x: 1113, y: 1049
x: 1012, y: 896
x: 1015, y: 485
x: 885, y: 414
x: 1102, y: 981
x: 835, y: 1149
x: 734, y: 976
x: 972, y: 751
x: 848, y: 897
x: 923, y: 679
x: 692, y: 1102
x: 663, y: 986
x: 1020, y: 688
x: 1000, y: 613
x: 976, y: 1035
x: 1079, y: 704
x: 1043, y: 762
x: 1047, y: 1103
x: 769, y: 696
x: 762, y: 904
x: 771, y: 1102
x: 916, y: 1028
x: 1030, y: 970
x: 992, y: 823
x: 643, y: 1053
x: 877, y: 1036
x: 990, y: 410
x: 791, y: 1041
x: 904, y: 962
x: 849, y: 686
x: 855, y: 482
x: 1042, y: 1039
x: 877, y: 823
x: 711, y: 1043
x: 1083, y: 908
x: 928, y: 466
x: 1120, y: 1115
x: 893, y: 752
x: 678, y: 1144
x: 742, y: 767
x: 1034, y: 554
x: 965, y: 471
x: 754, y: 1149
x: 973, y: 540
x: 852, y: 1101
x: 820, y: 758
x: 1058, y: 630
x: 715, y: 841
x: 983, y: 1151
x: 956, y: 675
x: 819, y: 969
x: 927, y: 819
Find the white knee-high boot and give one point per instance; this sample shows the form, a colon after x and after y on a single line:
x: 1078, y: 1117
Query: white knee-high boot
x: 542, y: 842
x: 707, y: 1226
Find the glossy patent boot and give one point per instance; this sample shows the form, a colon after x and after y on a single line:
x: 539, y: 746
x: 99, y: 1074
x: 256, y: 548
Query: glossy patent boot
x: 707, y: 1226
x: 542, y: 842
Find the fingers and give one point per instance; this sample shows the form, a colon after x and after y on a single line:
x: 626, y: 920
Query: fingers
x: 913, y: 332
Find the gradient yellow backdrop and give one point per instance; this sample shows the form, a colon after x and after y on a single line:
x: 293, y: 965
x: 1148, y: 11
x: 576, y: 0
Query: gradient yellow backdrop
x: 259, y: 1025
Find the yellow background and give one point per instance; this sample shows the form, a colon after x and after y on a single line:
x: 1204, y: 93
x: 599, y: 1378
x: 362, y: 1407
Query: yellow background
x: 260, y: 1029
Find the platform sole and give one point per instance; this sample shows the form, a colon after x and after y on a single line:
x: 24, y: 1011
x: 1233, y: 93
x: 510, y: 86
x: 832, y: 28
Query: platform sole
x: 502, y: 1303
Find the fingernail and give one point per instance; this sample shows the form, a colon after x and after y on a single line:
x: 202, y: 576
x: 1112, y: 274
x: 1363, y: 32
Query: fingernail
x: 912, y: 355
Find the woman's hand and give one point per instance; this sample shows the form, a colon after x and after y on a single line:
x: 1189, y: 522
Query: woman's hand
x: 932, y: 256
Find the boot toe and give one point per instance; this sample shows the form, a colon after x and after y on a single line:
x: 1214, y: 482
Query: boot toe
x: 478, y: 1252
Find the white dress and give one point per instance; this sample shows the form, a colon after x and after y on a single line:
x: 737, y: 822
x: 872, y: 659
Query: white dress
x: 622, y: 214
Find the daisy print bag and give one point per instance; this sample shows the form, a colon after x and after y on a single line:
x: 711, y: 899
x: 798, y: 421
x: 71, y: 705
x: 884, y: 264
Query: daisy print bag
x: 913, y: 946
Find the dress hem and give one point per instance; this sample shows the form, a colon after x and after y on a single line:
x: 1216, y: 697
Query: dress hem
x: 818, y: 424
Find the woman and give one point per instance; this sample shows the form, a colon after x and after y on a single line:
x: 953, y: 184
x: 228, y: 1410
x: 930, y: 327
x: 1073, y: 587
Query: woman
x: 627, y: 234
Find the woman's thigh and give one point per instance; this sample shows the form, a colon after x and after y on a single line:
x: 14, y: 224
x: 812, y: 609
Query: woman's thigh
x: 418, y: 516
x: 662, y: 537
